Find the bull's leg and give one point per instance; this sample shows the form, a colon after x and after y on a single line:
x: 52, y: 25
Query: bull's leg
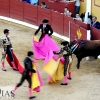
x: 78, y: 62
x: 95, y: 57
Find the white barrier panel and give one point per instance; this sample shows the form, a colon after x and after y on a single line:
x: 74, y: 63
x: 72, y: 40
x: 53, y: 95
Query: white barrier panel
x: 88, y: 38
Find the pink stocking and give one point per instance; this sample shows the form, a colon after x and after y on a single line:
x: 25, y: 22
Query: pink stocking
x: 65, y: 79
x: 37, y: 89
x: 15, y: 88
x: 30, y: 93
x: 69, y: 75
x: 3, y: 66
x: 14, y: 67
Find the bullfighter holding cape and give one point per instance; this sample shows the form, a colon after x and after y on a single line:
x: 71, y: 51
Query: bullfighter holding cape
x: 31, y: 74
x: 58, y: 69
x: 45, y: 43
x: 7, y: 51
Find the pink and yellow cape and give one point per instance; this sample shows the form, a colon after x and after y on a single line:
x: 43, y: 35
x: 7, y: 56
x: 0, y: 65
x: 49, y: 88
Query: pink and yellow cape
x: 54, y: 68
x: 36, y: 79
x: 43, y: 47
x: 44, y: 50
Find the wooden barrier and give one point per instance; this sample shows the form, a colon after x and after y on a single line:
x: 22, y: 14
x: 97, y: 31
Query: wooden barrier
x: 95, y: 34
x: 30, y: 14
x: 66, y: 25
x: 59, y: 6
x: 35, y: 14
x: 73, y: 30
x: 16, y: 9
x: 4, y: 8
x: 84, y: 25
x: 58, y: 22
x: 44, y: 13
x: 84, y: 33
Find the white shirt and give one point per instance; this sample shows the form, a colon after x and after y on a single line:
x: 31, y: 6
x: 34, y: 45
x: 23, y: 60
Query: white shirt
x: 44, y: 26
x: 33, y: 1
x: 86, y: 19
x: 63, y: 0
x: 79, y: 19
x: 77, y: 3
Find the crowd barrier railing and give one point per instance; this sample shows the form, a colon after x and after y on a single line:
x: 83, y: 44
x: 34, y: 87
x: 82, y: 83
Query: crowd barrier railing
x: 35, y: 14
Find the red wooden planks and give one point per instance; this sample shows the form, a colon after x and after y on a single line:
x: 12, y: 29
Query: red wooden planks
x: 30, y: 13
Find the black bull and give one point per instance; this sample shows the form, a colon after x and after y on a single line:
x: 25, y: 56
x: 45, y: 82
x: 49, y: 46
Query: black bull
x: 85, y: 48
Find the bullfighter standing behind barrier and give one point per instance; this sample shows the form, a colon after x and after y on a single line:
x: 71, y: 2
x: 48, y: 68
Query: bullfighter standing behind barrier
x: 45, y: 28
x: 7, y: 50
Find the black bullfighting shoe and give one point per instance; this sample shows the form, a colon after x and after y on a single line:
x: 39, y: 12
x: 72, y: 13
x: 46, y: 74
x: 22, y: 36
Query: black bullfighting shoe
x: 69, y: 78
x: 32, y: 97
x: 64, y: 84
x: 4, y: 69
x: 15, y: 69
x: 12, y: 94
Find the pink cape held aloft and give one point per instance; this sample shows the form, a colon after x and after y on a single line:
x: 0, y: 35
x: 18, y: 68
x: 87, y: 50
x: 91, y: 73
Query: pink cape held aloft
x: 41, y: 48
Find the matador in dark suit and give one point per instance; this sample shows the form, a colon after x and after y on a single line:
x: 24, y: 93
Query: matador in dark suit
x: 45, y: 29
x: 26, y: 75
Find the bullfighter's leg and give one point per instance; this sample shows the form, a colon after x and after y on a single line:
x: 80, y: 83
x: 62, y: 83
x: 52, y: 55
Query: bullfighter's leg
x: 3, y: 61
x: 95, y: 57
x: 65, y: 70
x: 11, y: 59
x: 24, y: 75
x: 29, y: 88
x: 69, y: 71
x: 69, y: 68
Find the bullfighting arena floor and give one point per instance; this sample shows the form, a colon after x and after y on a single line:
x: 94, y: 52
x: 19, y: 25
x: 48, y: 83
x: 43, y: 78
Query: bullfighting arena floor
x: 85, y: 83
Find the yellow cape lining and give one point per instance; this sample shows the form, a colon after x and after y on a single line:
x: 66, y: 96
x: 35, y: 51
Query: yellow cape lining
x: 55, y: 69
x: 34, y: 77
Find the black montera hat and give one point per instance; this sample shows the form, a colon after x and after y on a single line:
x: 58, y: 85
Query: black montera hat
x: 45, y: 21
x: 29, y: 53
x: 43, y: 3
x: 6, y: 31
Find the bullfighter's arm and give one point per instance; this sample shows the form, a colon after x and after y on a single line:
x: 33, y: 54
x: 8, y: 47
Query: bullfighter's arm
x: 59, y: 52
x: 38, y: 29
x: 51, y: 31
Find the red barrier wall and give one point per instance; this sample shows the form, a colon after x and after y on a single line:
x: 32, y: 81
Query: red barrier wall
x: 57, y: 22
x: 44, y: 13
x: 95, y: 34
x: 35, y: 14
x: 30, y: 14
x: 4, y: 8
x: 59, y: 6
x: 66, y: 25
x: 84, y: 33
x: 84, y: 25
x: 16, y: 9
x: 73, y: 31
